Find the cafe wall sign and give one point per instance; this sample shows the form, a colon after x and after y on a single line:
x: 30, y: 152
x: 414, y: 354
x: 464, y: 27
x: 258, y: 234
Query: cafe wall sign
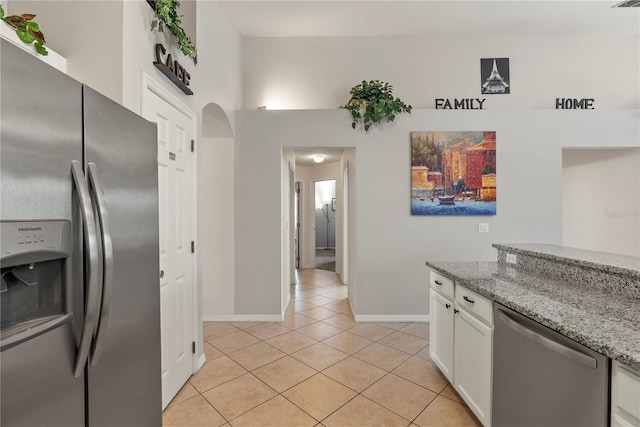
x: 172, y: 69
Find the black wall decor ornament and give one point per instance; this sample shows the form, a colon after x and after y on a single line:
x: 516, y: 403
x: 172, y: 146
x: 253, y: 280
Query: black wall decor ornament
x: 460, y: 103
x: 494, y: 76
x: 172, y: 69
x: 574, y: 103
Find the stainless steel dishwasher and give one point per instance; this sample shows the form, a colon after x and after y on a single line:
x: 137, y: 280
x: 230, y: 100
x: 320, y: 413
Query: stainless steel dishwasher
x: 544, y: 379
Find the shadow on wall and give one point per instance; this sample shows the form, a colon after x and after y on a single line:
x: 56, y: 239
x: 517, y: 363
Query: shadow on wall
x: 215, y: 123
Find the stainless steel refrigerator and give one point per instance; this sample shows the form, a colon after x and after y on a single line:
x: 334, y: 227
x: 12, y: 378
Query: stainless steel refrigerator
x: 80, y: 302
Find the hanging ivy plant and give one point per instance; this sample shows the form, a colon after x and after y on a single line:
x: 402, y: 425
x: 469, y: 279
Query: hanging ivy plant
x: 373, y: 101
x: 167, y: 15
x: 26, y: 29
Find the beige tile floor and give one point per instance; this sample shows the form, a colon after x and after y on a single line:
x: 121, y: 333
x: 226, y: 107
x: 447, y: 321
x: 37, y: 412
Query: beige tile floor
x: 317, y: 368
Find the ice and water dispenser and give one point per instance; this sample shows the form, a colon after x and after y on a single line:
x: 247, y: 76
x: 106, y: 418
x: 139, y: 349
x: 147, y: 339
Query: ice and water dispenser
x: 34, y: 264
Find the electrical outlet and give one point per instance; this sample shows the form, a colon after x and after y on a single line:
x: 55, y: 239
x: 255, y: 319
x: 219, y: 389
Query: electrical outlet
x: 511, y: 258
x: 483, y: 227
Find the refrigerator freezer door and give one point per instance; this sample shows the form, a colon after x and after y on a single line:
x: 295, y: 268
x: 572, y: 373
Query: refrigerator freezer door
x: 124, y: 386
x: 38, y: 387
x: 41, y: 133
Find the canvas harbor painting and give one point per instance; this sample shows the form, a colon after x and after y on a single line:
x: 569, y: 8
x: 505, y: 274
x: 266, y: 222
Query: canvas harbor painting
x: 453, y: 173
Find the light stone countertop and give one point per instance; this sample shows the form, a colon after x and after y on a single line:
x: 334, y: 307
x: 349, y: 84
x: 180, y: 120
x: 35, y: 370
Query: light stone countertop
x: 603, y: 261
x: 606, y: 322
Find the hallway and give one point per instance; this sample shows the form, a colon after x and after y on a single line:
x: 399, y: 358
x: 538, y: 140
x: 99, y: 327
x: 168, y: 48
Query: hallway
x: 317, y: 368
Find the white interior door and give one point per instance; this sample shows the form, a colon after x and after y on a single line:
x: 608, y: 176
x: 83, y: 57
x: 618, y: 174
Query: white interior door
x: 175, y: 182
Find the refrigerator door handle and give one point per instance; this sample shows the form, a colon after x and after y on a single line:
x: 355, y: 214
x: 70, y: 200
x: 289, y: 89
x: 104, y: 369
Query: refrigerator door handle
x: 546, y: 342
x: 91, y: 256
x: 107, y: 260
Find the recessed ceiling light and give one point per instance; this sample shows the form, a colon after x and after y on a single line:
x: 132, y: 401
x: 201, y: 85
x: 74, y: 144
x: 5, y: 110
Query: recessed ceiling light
x: 318, y: 158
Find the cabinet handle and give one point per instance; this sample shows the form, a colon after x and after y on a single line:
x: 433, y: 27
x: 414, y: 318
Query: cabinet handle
x: 437, y: 282
x: 467, y: 299
x: 448, y: 306
x: 455, y: 310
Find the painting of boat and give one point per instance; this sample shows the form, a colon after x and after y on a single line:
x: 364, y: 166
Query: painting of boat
x: 446, y: 200
x: 453, y: 173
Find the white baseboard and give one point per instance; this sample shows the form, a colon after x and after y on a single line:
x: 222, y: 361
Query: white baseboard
x: 243, y: 317
x: 280, y: 318
x: 392, y: 318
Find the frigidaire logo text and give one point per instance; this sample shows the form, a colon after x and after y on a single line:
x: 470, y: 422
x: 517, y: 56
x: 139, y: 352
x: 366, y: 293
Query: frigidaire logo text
x: 29, y: 228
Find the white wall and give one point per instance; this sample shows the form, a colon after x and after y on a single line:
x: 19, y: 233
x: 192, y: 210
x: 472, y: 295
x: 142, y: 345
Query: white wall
x: 215, y: 232
x: 87, y: 33
x: 390, y: 277
x: 306, y: 73
x: 601, y: 199
x: 216, y: 79
x: 287, y: 179
x: 389, y: 246
x: 347, y: 264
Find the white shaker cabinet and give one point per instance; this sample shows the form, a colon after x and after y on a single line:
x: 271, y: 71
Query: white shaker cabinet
x: 472, y: 366
x: 441, y: 326
x: 625, y: 396
x: 441, y: 336
x: 461, y: 338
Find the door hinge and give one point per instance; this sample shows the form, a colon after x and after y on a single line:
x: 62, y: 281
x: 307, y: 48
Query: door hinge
x: 193, y: 145
x: 193, y: 247
x: 193, y: 347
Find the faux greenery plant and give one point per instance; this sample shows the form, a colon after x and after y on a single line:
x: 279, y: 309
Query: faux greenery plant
x: 373, y: 101
x: 167, y: 14
x: 26, y: 29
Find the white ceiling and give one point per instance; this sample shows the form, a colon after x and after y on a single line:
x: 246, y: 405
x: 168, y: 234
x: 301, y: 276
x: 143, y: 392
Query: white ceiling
x: 307, y: 18
x: 304, y: 155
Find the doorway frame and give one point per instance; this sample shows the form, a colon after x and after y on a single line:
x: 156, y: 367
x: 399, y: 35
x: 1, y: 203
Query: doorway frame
x: 314, y: 184
x: 149, y: 85
x: 344, y: 218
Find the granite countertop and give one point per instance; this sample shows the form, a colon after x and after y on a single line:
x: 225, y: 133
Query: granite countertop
x: 604, y: 261
x: 605, y: 322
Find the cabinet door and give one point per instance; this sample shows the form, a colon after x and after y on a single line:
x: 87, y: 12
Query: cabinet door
x: 472, y: 377
x: 441, y: 334
x: 625, y: 397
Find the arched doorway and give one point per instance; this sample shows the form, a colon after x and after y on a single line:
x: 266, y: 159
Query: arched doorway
x: 215, y: 248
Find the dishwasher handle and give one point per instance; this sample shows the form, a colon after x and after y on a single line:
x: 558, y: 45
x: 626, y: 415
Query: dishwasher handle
x: 546, y: 342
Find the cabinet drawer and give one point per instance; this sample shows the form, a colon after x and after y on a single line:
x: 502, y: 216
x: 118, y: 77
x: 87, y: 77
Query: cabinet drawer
x: 441, y: 284
x: 474, y: 303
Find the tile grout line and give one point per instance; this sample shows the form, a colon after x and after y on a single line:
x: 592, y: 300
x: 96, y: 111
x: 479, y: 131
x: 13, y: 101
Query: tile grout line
x: 387, y: 372
x: 290, y: 313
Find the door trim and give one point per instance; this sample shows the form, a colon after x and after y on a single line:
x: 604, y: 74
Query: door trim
x: 150, y: 85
